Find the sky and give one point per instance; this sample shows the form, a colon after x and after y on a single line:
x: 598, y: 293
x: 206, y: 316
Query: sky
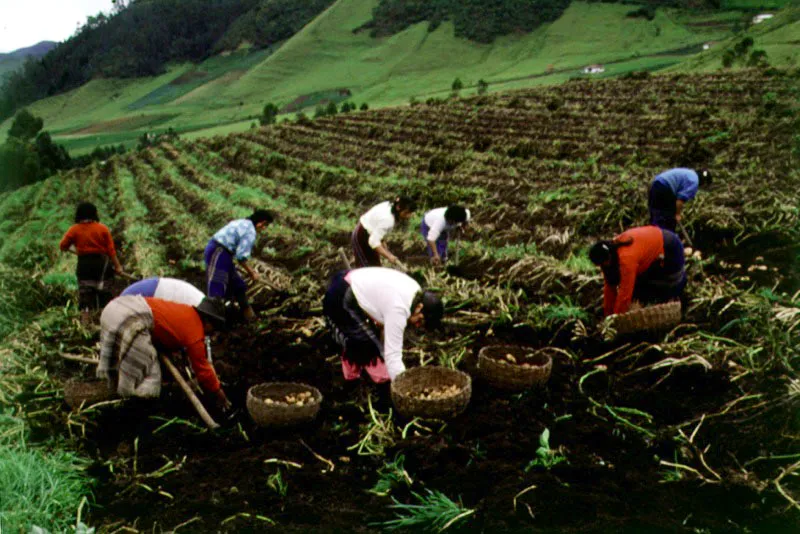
x: 26, y: 22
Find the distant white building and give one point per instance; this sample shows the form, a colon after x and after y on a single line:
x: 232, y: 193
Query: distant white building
x: 708, y: 45
x: 762, y: 17
x: 593, y: 69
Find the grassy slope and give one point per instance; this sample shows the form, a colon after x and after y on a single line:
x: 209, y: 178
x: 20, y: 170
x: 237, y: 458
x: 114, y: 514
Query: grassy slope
x: 778, y: 37
x: 326, y: 54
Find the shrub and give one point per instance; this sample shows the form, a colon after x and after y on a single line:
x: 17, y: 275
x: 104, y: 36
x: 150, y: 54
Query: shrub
x: 645, y: 12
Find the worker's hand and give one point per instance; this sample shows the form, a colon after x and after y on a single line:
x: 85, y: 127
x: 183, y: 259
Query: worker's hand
x: 678, y: 217
x: 394, y: 259
x: 436, y: 260
x: 254, y: 276
x: 222, y: 401
x: 119, y: 270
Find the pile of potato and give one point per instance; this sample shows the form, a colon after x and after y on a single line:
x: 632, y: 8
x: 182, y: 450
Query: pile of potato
x: 293, y: 399
x: 509, y: 359
x: 438, y: 392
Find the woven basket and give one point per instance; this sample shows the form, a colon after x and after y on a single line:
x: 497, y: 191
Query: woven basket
x: 413, y: 382
x: 282, y: 414
x: 502, y: 373
x: 656, y: 317
x: 77, y: 392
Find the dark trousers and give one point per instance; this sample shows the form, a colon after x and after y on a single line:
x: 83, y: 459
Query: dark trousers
x: 664, y: 280
x: 94, y: 272
x: 221, y: 275
x: 661, y: 203
x: 365, y: 254
x: 350, y: 326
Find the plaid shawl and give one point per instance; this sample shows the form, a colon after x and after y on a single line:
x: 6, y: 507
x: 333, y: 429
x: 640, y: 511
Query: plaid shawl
x: 126, y: 349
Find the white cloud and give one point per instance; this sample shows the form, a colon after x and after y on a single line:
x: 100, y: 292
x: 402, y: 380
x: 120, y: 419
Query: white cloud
x: 26, y: 22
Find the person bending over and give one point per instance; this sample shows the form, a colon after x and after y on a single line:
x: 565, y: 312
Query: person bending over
x: 437, y: 225
x: 133, y: 329
x: 367, y: 311
x: 644, y: 263
x: 670, y: 191
x: 234, y: 242
x: 367, y: 238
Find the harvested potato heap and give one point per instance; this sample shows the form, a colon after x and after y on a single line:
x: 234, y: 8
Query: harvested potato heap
x: 293, y: 399
x: 438, y: 392
x: 509, y: 359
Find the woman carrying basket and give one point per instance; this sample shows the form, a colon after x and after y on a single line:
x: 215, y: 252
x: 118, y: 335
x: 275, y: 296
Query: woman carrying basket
x: 644, y: 264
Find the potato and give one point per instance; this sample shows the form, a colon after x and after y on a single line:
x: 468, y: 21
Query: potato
x: 510, y: 357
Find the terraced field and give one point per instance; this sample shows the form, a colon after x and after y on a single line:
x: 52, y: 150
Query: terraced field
x: 693, y: 430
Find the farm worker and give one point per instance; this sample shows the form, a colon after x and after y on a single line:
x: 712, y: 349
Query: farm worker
x: 670, y: 191
x: 360, y: 302
x: 644, y: 263
x: 92, y: 242
x: 367, y: 239
x: 134, y: 328
x: 170, y: 289
x: 437, y: 225
x: 234, y: 242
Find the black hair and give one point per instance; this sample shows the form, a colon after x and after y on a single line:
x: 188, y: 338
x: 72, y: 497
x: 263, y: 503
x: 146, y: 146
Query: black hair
x: 606, y: 251
x: 432, y: 308
x: 704, y: 178
x: 86, y: 211
x: 213, y: 309
x: 455, y: 215
x: 403, y: 203
x: 260, y: 216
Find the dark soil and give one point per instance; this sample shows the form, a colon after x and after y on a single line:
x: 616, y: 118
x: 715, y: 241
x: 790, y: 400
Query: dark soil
x: 611, y: 482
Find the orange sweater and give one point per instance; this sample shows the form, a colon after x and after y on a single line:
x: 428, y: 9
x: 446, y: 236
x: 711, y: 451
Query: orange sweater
x: 634, y: 259
x: 179, y: 327
x: 89, y: 238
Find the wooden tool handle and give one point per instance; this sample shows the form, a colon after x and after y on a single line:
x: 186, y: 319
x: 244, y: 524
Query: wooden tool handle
x: 201, y: 410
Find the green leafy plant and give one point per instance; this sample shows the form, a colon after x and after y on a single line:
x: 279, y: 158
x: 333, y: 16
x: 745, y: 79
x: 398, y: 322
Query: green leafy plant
x: 434, y: 512
x: 392, y: 475
x: 276, y: 483
x: 545, y: 456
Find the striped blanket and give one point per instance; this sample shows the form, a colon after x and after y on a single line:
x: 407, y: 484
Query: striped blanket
x: 126, y: 348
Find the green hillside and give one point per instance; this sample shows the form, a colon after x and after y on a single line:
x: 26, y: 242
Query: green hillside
x: 226, y: 92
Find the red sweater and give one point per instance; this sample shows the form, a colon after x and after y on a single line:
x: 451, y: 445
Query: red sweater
x: 179, y: 327
x: 89, y: 238
x: 634, y: 259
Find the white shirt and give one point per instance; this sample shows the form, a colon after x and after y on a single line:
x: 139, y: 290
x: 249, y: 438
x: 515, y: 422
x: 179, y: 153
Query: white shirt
x: 438, y: 224
x: 378, y: 221
x: 178, y: 291
x: 386, y: 296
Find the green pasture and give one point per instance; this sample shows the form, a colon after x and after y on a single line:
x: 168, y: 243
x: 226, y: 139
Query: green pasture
x: 225, y: 93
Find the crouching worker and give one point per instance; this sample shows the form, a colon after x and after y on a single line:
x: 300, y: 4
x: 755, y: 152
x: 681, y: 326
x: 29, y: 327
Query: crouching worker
x: 437, y: 225
x: 361, y: 302
x: 670, y: 191
x: 170, y: 289
x: 234, y: 242
x: 134, y: 328
x: 92, y: 242
x: 644, y: 263
x: 372, y: 227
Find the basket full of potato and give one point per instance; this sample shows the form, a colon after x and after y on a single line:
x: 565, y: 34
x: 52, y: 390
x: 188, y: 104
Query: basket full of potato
x: 515, y: 368
x: 283, y: 403
x: 431, y: 392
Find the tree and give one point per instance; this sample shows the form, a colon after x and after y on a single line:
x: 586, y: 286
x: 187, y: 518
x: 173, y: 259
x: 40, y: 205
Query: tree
x: 319, y: 112
x: 331, y: 109
x: 364, y: 107
x: 25, y: 126
x: 52, y: 157
x: 483, y: 87
x: 269, y: 114
x: 457, y: 85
